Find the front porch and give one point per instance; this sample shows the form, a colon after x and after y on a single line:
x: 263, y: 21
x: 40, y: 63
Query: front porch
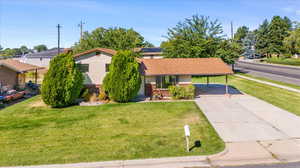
x: 162, y: 83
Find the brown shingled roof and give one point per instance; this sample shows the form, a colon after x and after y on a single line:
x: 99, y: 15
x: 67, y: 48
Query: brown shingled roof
x: 105, y: 50
x: 18, y: 66
x: 184, y: 66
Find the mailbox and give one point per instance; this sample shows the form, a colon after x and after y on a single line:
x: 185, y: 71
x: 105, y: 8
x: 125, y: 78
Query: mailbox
x: 187, y: 131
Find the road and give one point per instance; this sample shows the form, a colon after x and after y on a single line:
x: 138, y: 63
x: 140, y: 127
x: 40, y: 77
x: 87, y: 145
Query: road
x: 274, y: 72
x: 288, y: 165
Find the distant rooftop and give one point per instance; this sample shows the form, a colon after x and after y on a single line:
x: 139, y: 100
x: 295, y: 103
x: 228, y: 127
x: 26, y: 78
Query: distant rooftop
x: 149, y: 51
x: 44, y: 54
x: 153, y: 49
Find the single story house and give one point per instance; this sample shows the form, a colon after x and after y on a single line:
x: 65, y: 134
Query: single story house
x: 157, y: 74
x: 41, y: 59
x: 12, y: 72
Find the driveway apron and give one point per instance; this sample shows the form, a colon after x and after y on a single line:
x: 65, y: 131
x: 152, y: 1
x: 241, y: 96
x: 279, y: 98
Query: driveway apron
x: 245, y: 118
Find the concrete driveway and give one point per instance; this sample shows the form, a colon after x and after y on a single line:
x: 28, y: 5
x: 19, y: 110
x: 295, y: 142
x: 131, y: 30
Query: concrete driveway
x: 245, y: 118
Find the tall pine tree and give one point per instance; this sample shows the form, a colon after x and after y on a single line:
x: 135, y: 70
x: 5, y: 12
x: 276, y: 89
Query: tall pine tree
x: 277, y: 31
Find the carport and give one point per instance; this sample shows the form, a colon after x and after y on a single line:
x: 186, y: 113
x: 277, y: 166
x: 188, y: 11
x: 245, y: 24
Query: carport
x: 13, y: 72
x: 159, y: 74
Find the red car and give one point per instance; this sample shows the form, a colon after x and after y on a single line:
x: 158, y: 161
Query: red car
x: 14, y: 95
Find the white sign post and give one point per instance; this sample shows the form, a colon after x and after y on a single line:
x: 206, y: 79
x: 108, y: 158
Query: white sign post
x: 187, y: 135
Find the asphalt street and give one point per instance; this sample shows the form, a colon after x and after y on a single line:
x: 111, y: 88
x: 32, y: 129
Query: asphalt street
x: 274, y: 72
x: 287, y: 165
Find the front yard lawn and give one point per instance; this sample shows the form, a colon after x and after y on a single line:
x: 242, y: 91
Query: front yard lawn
x: 281, y: 98
x: 31, y: 133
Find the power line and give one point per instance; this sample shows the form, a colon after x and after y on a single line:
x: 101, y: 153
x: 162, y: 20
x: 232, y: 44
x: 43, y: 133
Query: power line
x: 58, y: 38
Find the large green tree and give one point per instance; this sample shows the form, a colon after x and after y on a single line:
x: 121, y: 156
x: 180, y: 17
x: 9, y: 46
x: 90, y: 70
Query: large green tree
x: 277, y: 31
x: 248, y: 44
x: 113, y: 38
x: 228, y: 51
x: 292, y: 42
x: 41, y: 47
x: 240, y: 34
x: 63, y: 81
x: 262, y: 39
x: 123, y: 80
x: 24, y: 49
x: 198, y: 36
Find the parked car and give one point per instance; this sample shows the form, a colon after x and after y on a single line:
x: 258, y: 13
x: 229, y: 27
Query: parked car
x: 13, y: 95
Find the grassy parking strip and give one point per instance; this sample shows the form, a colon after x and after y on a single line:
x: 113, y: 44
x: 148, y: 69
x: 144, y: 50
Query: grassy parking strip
x: 286, y: 61
x: 31, y: 133
x: 281, y: 98
x: 273, y: 81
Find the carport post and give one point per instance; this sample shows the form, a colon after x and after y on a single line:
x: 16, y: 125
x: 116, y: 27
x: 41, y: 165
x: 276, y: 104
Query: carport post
x: 35, y: 75
x: 226, y: 84
x: 207, y: 80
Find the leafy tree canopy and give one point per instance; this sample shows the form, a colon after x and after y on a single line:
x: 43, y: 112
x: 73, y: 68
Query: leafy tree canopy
x: 292, y: 42
x: 113, y: 38
x: 228, y: 51
x: 41, y: 47
x: 194, y: 37
x: 123, y: 80
x: 277, y: 31
x: 63, y: 81
x: 262, y: 40
x: 249, y: 42
x: 241, y: 34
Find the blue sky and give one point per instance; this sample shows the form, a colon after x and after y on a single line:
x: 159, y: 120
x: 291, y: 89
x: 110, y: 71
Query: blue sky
x: 32, y: 22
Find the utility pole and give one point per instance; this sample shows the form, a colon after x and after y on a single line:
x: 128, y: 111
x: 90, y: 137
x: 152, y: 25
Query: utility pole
x: 58, y: 38
x: 231, y: 31
x: 80, y: 25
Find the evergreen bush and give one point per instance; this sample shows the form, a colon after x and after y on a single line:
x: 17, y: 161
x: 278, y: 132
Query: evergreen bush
x: 123, y: 81
x: 63, y: 82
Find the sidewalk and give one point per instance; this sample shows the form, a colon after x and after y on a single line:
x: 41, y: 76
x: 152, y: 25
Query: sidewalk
x: 237, y: 153
x: 270, y: 83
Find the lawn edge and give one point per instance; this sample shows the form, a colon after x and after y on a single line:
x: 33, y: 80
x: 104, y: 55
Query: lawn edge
x: 133, y: 162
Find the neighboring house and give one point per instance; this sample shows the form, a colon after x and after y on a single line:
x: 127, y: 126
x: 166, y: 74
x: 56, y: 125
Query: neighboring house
x: 41, y: 59
x: 12, y: 72
x: 157, y: 74
x: 150, y: 53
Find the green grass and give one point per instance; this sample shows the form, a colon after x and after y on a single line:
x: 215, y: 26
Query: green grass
x: 272, y: 81
x: 284, y: 61
x: 31, y: 134
x: 281, y: 98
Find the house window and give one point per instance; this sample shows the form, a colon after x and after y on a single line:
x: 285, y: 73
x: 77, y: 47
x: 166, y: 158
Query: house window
x: 166, y: 81
x: 83, y: 67
x: 107, y: 67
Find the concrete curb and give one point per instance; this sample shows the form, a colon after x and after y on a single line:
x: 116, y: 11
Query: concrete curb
x: 196, y: 160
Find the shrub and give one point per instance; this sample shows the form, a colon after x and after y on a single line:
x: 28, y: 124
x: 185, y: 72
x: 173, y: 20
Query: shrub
x: 63, y: 82
x: 102, y: 94
x: 182, y: 92
x: 123, y: 81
